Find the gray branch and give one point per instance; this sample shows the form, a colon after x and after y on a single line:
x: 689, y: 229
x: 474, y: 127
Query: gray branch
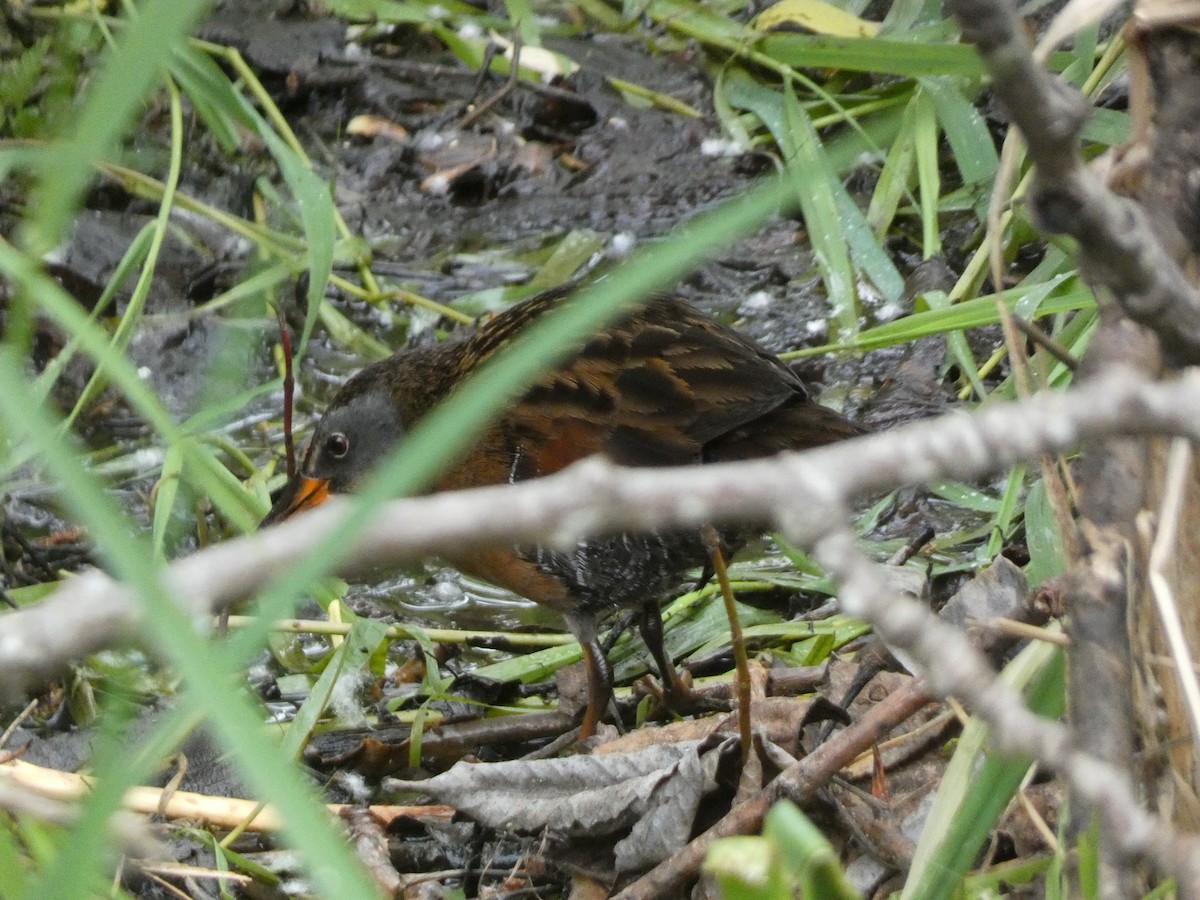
x: 952, y: 666
x: 802, y: 493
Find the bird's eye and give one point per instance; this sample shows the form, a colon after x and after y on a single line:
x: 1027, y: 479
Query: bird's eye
x: 337, y: 445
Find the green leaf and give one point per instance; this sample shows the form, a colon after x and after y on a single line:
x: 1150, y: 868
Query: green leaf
x: 965, y: 129
x: 977, y: 786
x: 352, y: 655
x: 877, y: 55
x: 14, y: 867
x: 572, y: 252
x: 1110, y: 127
x: 1042, y: 537
x: 233, y: 719
x: 211, y: 94
x: 965, y: 496
x: 1010, y: 502
x: 166, y: 490
x: 957, y: 345
x: 894, y: 178
x: 808, y: 853
x: 815, y: 16
x: 929, y: 179
x: 974, y: 313
x: 748, y: 868
x: 811, y: 181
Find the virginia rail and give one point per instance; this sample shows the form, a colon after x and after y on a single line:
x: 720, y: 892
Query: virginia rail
x: 665, y: 386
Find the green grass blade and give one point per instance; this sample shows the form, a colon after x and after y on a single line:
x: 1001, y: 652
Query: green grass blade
x: 965, y: 129
x: 1047, y: 557
x: 968, y: 314
x: 14, y: 867
x: 353, y: 654
x: 972, y: 796
x: 131, y: 318
x: 808, y: 853
x: 929, y: 178
x: 236, y: 722
x: 113, y: 98
x: 811, y: 180
x: 894, y: 178
x: 880, y: 56
x: 1110, y: 127
x: 166, y: 490
x: 1010, y: 504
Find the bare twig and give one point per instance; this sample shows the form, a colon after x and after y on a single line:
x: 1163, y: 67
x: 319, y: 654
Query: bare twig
x: 514, y: 74
x: 1162, y: 553
x: 951, y: 666
x: 798, y: 782
x: 799, y: 492
x: 1047, y: 343
x: 17, y: 722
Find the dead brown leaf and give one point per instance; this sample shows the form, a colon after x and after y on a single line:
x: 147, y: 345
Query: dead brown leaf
x: 655, y: 792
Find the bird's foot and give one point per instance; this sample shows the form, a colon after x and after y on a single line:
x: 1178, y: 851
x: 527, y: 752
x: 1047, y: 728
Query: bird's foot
x: 681, y: 697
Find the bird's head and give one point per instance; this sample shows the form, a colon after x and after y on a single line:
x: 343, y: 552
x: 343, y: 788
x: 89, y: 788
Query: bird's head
x: 360, y: 427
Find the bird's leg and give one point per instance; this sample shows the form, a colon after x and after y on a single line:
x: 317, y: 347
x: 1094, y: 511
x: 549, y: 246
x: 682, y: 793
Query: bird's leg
x: 598, y: 669
x: 677, y: 693
x: 599, y: 679
x: 716, y: 557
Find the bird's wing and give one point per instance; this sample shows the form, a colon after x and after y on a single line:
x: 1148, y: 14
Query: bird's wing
x: 653, y: 390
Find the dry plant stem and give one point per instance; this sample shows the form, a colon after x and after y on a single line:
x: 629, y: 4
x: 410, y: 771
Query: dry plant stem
x: 797, y: 491
x: 16, y: 722
x: 289, y: 392
x: 741, y: 660
x: 1118, y: 248
x: 951, y: 666
x: 514, y: 74
x: 898, y: 750
x: 1179, y: 465
x: 223, y: 812
x: 179, y: 870
x: 798, y: 783
x: 1047, y: 343
x: 1022, y: 630
x: 131, y: 833
x: 1033, y: 815
x: 508, y: 641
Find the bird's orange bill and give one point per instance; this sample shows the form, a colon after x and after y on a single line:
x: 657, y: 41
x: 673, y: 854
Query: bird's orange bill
x: 300, y: 494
